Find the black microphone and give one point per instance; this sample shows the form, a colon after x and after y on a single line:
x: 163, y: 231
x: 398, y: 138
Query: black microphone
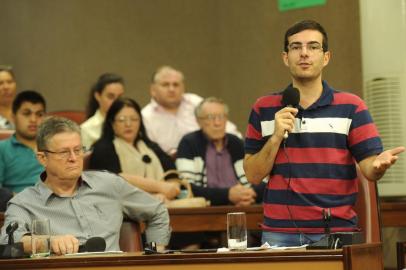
x: 11, y: 228
x: 327, y: 219
x: 290, y: 98
x: 146, y: 159
x: 93, y: 244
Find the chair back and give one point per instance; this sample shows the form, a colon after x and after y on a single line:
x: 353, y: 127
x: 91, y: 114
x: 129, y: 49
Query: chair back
x: 77, y: 116
x: 367, y: 208
x: 6, y: 133
x: 130, y: 236
x: 401, y: 255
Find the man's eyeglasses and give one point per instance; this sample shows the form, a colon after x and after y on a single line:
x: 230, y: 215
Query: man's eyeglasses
x: 65, y: 154
x: 127, y: 119
x: 213, y: 117
x: 311, y: 47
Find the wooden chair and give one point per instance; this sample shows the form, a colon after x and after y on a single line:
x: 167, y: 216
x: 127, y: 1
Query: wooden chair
x: 6, y: 133
x: 401, y: 255
x: 130, y: 236
x: 367, y: 208
x: 77, y: 116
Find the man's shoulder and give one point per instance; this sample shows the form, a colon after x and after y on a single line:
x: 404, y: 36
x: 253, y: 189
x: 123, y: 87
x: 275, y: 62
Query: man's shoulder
x: 193, y: 136
x: 27, y: 195
x: 192, y: 98
x: 270, y: 100
x: 342, y: 97
x: 98, y: 177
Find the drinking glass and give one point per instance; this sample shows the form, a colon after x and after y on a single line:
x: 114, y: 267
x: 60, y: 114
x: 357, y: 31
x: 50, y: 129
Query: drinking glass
x: 40, y: 238
x: 237, y: 231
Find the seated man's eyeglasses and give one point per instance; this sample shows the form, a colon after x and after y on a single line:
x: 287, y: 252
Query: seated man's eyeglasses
x: 213, y: 117
x: 310, y: 47
x: 65, y: 154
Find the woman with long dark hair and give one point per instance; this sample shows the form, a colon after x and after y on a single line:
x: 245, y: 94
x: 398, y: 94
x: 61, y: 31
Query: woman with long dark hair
x: 108, y: 88
x: 125, y: 148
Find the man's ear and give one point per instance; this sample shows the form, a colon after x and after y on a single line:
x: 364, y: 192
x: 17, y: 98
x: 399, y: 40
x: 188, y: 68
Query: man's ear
x: 285, y: 58
x: 152, y: 90
x: 42, y: 158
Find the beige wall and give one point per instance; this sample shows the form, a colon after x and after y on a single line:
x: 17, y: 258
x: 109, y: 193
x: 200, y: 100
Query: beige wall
x: 227, y: 48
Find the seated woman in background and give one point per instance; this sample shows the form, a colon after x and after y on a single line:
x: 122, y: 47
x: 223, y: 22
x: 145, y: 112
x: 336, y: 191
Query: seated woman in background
x: 7, y: 94
x: 108, y: 88
x: 125, y: 148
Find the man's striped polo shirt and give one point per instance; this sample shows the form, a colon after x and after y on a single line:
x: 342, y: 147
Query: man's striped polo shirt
x: 318, y: 170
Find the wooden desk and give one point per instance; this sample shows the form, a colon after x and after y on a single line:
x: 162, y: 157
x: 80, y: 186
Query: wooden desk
x: 366, y: 256
x: 212, y: 218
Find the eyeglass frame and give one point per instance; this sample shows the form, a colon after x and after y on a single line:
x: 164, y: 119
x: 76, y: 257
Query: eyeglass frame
x: 213, y: 117
x: 65, y: 154
x: 307, y: 45
x: 125, y: 119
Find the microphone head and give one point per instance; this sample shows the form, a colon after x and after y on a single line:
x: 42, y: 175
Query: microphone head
x: 95, y: 244
x: 291, y: 97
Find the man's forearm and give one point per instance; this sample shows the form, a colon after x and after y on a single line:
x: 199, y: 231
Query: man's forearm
x: 259, y: 165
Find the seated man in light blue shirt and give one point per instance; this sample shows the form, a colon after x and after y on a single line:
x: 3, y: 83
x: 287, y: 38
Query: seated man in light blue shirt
x: 19, y: 167
x: 80, y: 205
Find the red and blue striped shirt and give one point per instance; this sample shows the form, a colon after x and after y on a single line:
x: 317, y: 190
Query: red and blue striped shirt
x: 328, y: 139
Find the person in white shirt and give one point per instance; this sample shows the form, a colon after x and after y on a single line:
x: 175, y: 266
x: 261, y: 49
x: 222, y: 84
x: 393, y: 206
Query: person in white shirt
x: 104, y: 92
x: 170, y: 113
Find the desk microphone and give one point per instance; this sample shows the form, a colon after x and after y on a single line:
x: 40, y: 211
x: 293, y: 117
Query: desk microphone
x: 93, y: 244
x: 290, y: 98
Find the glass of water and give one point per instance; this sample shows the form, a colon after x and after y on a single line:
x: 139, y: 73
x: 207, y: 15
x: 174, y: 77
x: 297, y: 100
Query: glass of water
x: 237, y: 231
x: 40, y: 238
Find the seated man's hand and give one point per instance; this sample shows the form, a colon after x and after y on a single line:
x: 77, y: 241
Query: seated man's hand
x: 64, y: 244
x: 241, y: 196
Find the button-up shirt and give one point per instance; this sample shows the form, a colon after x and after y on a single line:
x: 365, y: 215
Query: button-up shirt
x: 96, y: 209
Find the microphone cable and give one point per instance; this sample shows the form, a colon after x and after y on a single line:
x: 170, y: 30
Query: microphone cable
x: 289, y: 190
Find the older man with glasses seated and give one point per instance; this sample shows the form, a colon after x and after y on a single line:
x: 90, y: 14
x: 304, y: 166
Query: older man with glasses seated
x: 211, y: 159
x: 80, y: 205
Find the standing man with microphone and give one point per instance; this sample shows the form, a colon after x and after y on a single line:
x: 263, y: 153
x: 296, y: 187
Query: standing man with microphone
x: 313, y: 170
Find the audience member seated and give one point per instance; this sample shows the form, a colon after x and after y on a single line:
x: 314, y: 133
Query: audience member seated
x: 125, y: 148
x: 107, y: 89
x: 80, y: 205
x: 169, y: 115
x: 19, y: 167
x: 211, y: 159
x: 7, y: 94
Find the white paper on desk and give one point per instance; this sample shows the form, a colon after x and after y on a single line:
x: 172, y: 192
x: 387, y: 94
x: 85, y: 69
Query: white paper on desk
x: 262, y: 247
x: 285, y: 248
x: 95, y: 253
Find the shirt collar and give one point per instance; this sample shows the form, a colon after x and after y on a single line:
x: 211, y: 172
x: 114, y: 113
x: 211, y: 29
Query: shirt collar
x: 46, y: 193
x: 326, y: 98
x: 157, y: 107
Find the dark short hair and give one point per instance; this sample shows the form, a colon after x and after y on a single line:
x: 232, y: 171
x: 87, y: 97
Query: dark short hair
x: 28, y: 96
x: 306, y: 25
x: 103, y: 80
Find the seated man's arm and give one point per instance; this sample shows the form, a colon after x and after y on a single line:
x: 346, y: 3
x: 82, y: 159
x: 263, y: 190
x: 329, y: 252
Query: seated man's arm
x: 16, y: 214
x: 141, y: 206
